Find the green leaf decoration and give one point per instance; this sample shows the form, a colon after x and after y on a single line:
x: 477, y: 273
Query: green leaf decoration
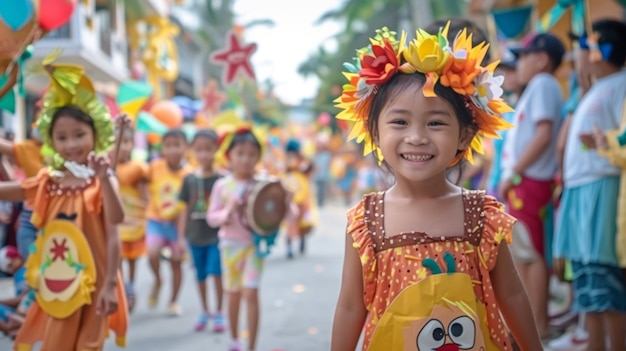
x: 69, y: 260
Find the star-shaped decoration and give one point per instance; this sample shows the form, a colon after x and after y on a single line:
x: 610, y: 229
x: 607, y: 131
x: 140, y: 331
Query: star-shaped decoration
x: 58, y: 250
x: 213, y: 98
x: 237, y: 59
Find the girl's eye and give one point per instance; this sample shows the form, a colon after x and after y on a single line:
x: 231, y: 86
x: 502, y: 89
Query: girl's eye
x: 399, y: 122
x: 436, y: 123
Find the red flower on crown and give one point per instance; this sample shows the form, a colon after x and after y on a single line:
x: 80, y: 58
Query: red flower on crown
x: 378, y: 68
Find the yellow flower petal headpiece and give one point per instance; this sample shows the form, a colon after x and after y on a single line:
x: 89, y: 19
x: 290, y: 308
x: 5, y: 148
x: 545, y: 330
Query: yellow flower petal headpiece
x: 226, y: 138
x: 69, y: 86
x: 457, y: 66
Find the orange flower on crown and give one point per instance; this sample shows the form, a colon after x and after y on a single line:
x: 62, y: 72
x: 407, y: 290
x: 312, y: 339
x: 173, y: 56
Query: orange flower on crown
x: 464, y: 65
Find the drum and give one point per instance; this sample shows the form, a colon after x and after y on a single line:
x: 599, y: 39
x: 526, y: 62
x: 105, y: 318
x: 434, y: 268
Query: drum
x: 264, y: 206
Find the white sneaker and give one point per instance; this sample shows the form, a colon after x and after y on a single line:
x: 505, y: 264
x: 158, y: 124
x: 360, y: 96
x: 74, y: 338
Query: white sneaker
x: 572, y: 340
x: 174, y: 310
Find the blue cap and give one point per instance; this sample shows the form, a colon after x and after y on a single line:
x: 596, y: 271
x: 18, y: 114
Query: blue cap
x: 293, y: 145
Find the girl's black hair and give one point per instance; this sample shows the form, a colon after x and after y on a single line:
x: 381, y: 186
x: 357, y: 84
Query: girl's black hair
x: 242, y: 138
x: 401, y: 82
x: 175, y: 133
x: 209, y: 134
x: 75, y: 113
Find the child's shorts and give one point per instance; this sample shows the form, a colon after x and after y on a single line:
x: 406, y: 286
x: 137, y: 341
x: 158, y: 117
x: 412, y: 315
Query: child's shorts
x: 206, y: 260
x: 162, y: 234
x: 132, y: 250
x: 528, y: 202
x: 598, y: 288
x: 242, y: 267
x: 4, y: 313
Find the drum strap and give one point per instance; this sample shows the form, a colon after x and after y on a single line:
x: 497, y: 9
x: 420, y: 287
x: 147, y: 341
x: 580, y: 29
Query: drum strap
x: 263, y: 244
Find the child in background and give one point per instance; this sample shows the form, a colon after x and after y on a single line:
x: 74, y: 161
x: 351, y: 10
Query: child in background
x: 27, y: 157
x: 202, y: 239
x: 529, y: 162
x: 73, y: 265
x: 366, y: 179
x: 12, y: 310
x: 165, y: 177
x: 240, y: 262
x: 512, y: 89
x: 134, y: 194
x: 587, y: 225
x: 426, y: 263
x: 297, y: 182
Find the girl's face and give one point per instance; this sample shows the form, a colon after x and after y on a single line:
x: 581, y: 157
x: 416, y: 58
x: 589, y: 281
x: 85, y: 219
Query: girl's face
x: 204, y: 150
x: 243, y: 159
x: 72, y: 139
x: 419, y: 136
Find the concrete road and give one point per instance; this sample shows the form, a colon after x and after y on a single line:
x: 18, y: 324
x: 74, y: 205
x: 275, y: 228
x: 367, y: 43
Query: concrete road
x: 298, y: 300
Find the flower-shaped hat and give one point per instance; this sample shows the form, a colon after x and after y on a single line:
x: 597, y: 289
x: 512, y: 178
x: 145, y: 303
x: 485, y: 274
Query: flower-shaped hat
x: 457, y: 66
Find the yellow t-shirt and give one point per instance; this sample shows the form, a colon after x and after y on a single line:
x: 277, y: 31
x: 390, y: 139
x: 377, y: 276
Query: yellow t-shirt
x: 129, y: 175
x: 164, y: 186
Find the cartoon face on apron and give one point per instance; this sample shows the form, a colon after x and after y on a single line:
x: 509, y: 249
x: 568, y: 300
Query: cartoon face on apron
x: 61, y: 268
x: 439, y: 313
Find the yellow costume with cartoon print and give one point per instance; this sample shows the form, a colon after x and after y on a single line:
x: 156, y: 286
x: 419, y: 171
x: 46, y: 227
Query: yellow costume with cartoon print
x: 438, y: 313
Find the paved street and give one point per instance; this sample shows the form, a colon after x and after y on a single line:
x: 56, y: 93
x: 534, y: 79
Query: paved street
x: 298, y: 300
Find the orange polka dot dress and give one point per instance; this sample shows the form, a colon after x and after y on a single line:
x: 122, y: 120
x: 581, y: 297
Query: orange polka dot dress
x: 391, y: 263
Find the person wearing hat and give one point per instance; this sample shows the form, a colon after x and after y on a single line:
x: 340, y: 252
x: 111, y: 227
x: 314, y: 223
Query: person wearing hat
x: 593, y: 195
x: 12, y: 263
x: 529, y: 161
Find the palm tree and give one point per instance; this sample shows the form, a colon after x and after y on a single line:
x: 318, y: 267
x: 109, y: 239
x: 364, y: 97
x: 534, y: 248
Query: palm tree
x: 360, y: 18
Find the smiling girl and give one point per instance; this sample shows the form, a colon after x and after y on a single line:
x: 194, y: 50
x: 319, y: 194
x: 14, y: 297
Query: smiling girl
x: 426, y: 263
x: 73, y: 264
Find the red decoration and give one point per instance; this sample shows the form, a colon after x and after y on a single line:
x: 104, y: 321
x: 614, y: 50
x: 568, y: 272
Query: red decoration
x: 58, y: 250
x: 55, y: 13
x: 237, y: 59
x: 213, y: 98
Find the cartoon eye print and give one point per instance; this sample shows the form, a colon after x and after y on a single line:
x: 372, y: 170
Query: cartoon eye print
x: 462, y: 331
x: 432, y: 336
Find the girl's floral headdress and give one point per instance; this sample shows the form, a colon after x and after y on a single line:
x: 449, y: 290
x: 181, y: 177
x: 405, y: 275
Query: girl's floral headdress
x: 69, y: 86
x: 457, y: 66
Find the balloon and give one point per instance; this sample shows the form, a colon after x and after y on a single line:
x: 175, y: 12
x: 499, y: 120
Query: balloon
x: 55, y: 13
x: 168, y: 113
x: 16, y: 13
x: 324, y: 118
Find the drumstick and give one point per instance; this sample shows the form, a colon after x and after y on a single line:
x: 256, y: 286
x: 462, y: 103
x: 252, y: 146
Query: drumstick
x: 118, y: 142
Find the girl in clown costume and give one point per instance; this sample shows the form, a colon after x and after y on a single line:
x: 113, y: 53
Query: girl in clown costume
x: 73, y: 264
x: 427, y: 266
